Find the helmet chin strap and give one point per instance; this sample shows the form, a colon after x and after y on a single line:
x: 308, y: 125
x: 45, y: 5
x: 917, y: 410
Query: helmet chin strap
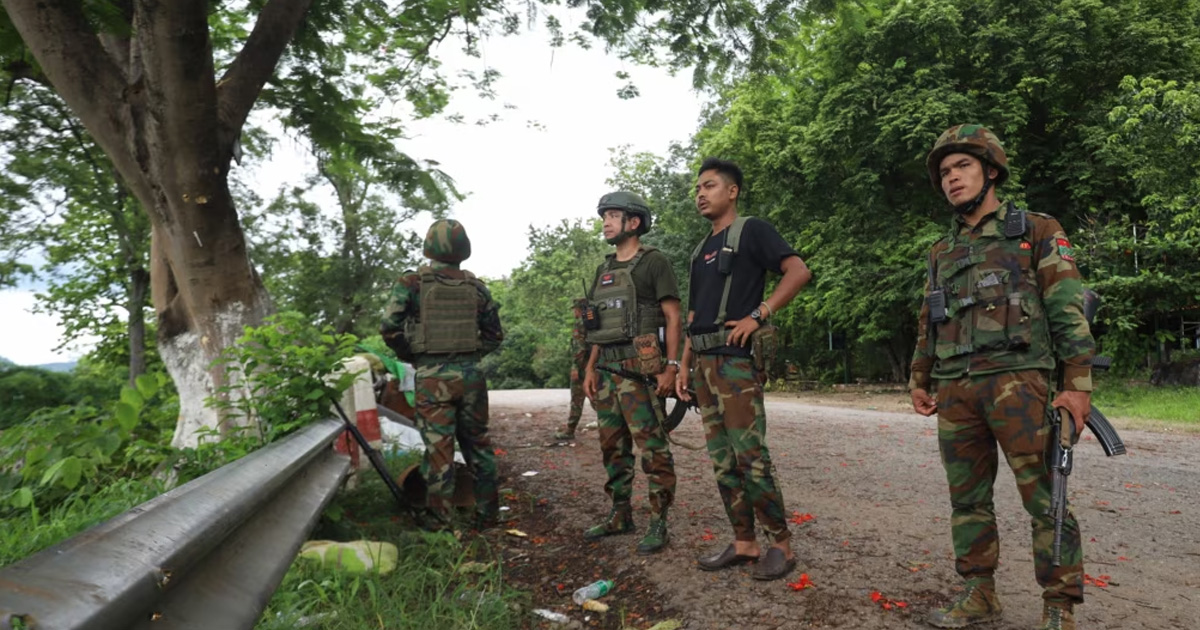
x: 968, y: 207
x: 622, y: 235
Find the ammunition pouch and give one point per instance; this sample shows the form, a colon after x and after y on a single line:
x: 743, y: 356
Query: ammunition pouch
x: 764, y: 346
x: 649, y: 354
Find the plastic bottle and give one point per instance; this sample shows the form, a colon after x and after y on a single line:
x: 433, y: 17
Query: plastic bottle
x: 595, y: 590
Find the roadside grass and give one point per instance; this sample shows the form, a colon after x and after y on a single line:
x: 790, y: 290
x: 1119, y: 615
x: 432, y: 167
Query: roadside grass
x: 29, y: 531
x: 1146, y: 407
x: 439, y: 583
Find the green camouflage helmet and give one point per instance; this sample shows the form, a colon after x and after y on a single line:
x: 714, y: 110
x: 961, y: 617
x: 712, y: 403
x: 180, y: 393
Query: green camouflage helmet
x: 973, y: 140
x: 629, y: 202
x: 447, y: 242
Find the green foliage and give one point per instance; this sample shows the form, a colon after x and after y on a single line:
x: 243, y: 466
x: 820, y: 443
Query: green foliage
x: 1144, y: 260
x: 31, y: 529
x: 284, y: 374
x: 71, y: 452
x: 536, y: 306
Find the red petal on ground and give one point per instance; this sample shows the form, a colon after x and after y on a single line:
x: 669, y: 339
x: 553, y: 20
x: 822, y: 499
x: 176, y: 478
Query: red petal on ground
x: 902, y: 604
x: 876, y: 596
x: 1122, y: 559
x: 499, y: 452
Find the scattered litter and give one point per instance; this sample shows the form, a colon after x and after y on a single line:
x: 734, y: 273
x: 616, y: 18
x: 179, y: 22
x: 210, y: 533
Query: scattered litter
x: 591, y: 425
x: 516, y: 532
x: 529, y: 473
x: 553, y: 616
x: 504, y: 508
x: 358, y: 556
x: 595, y: 606
x: 475, y: 567
x: 528, y: 415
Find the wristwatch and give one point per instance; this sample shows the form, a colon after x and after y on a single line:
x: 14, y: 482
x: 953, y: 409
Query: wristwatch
x: 757, y: 315
x: 673, y: 362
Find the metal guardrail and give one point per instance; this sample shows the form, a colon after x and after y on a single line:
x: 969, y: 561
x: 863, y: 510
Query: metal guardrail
x: 206, y: 555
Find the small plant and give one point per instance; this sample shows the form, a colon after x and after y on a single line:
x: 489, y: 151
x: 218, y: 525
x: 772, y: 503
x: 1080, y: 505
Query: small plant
x: 284, y: 374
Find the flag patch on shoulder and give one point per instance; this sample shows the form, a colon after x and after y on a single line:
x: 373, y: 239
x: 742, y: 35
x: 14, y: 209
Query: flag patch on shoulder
x: 1065, y: 250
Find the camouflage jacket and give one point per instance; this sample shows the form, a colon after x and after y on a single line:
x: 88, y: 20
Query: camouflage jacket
x: 405, y: 302
x: 1012, y: 304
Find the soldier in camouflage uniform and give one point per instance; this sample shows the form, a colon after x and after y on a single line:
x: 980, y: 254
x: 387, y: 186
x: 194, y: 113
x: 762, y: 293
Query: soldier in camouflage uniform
x: 580, y: 352
x: 443, y: 320
x: 1013, y: 307
x: 633, y: 297
x: 726, y: 308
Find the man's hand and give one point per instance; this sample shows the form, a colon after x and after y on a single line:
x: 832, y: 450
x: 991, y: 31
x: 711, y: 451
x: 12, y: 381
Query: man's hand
x: 741, y: 331
x: 591, y: 382
x: 923, y: 403
x: 1078, y: 404
x: 666, y: 381
x: 681, y: 382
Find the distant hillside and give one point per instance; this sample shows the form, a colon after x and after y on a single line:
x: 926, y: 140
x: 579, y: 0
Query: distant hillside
x: 62, y: 366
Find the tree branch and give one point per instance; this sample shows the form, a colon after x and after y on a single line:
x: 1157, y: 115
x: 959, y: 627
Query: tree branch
x: 71, y: 57
x: 244, y: 80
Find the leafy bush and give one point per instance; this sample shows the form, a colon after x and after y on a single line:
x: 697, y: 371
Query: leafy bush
x: 284, y: 374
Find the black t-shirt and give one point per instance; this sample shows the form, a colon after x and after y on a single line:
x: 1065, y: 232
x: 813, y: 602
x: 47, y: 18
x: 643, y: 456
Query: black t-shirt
x: 761, y: 249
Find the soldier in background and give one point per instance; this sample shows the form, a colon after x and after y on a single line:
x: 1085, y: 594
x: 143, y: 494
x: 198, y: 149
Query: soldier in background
x: 634, y: 295
x: 580, y: 351
x: 1004, y: 300
x: 443, y: 321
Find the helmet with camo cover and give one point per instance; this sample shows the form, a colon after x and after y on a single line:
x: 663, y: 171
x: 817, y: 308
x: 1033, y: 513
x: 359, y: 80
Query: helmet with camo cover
x: 631, y: 203
x: 447, y: 242
x: 973, y: 140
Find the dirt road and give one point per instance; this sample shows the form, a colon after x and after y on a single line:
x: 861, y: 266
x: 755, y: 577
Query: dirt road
x: 872, y: 481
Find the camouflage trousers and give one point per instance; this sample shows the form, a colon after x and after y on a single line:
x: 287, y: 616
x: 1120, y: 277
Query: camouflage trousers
x: 452, y: 402
x: 729, y: 392
x: 976, y: 413
x: 625, y: 414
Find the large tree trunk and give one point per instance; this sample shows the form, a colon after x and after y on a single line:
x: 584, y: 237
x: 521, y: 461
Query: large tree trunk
x: 152, y: 102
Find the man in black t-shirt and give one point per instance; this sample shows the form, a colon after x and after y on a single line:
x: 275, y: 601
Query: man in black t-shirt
x: 726, y: 305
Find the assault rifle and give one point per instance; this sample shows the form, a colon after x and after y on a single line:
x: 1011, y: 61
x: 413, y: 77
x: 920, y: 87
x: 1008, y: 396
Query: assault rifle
x: 675, y: 416
x: 1064, y: 439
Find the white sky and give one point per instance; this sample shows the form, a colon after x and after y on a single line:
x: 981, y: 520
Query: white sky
x: 515, y: 174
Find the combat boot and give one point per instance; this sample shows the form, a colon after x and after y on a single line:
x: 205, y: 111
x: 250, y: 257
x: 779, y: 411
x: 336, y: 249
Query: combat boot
x: 656, y: 536
x: 1057, y: 617
x: 619, y: 521
x: 977, y: 604
x: 566, y: 433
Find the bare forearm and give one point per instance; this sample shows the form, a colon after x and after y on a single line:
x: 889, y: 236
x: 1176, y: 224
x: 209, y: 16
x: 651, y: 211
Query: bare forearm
x: 795, y: 276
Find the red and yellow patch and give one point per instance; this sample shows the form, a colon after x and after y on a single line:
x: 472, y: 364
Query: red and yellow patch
x: 1026, y: 245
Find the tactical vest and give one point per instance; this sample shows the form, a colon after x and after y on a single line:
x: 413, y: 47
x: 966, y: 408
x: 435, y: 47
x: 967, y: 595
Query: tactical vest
x: 622, y: 316
x: 995, y: 320
x: 448, y: 317
x: 733, y: 238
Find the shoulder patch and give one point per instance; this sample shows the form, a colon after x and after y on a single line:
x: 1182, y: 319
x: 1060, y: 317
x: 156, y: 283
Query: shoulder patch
x: 1065, y: 251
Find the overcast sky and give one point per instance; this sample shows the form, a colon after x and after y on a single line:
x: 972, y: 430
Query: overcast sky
x: 515, y: 173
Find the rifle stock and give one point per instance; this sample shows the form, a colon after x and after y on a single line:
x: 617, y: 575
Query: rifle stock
x: 672, y: 419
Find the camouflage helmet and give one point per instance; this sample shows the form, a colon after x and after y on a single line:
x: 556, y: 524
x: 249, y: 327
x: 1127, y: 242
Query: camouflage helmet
x: 447, y: 242
x: 973, y: 140
x: 629, y: 202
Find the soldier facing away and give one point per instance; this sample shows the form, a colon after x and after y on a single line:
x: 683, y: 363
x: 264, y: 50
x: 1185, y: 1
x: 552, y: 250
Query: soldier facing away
x: 580, y: 352
x: 633, y: 297
x: 443, y: 320
x: 1006, y: 301
x: 726, y: 308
